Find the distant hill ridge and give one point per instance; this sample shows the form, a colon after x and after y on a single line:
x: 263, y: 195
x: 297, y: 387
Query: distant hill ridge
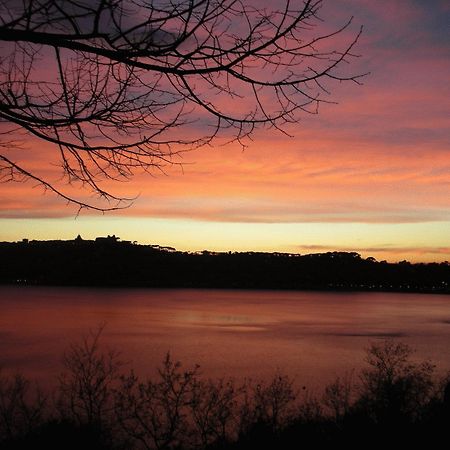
x: 108, y: 261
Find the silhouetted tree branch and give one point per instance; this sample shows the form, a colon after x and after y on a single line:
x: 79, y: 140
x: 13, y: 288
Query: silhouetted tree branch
x: 22, y: 406
x: 395, y: 388
x: 154, y: 413
x: 120, y: 85
x: 86, y: 384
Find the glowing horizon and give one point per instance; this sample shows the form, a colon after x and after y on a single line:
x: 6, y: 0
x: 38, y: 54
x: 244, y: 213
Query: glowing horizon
x: 393, y: 243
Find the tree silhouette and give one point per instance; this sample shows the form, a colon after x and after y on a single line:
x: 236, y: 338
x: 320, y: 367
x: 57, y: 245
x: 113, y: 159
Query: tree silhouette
x: 394, y: 388
x: 86, y: 384
x: 98, y: 405
x: 116, y: 86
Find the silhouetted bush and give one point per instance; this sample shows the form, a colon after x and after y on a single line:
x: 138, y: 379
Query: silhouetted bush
x: 338, y: 396
x: 22, y: 409
x: 394, y: 389
x: 155, y: 414
x: 86, y: 387
x: 98, y: 406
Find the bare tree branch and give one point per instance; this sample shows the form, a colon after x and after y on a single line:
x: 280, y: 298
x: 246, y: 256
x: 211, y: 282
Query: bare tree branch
x: 123, y: 85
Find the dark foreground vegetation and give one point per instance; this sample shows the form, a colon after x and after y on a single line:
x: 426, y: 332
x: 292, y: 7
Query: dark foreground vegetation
x: 110, y: 262
x: 98, y: 403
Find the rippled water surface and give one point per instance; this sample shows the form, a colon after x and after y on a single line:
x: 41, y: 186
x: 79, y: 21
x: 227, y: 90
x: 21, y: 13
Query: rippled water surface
x: 312, y: 336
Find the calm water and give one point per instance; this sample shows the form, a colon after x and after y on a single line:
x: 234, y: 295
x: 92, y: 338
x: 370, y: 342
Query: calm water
x: 311, y: 336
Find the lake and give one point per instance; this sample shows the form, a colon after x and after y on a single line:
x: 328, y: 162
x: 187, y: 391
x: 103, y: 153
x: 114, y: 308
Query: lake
x: 312, y: 336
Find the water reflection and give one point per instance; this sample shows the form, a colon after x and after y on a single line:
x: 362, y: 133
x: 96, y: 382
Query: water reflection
x: 312, y: 336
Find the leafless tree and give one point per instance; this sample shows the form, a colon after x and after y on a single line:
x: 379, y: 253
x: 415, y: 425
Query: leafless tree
x: 120, y: 85
x: 338, y: 395
x: 269, y: 405
x: 153, y: 413
x: 395, y: 387
x: 214, y: 411
x: 21, y: 409
x: 85, y: 387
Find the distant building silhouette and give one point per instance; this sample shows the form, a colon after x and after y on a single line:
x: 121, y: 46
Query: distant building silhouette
x: 107, y: 240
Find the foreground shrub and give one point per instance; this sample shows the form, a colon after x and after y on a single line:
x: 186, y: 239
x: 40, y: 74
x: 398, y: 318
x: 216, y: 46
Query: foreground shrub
x: 394, y: 389
x: 22, y: 407
x: 155, y: 413
x: 85, y: 393
x: 98, y: 406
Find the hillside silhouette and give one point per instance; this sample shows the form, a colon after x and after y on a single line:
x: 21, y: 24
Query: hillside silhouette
x: 108, y: 261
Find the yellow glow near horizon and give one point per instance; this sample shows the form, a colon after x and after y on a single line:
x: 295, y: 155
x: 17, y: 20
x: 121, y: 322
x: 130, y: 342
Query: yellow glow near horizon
x: 412, y: 241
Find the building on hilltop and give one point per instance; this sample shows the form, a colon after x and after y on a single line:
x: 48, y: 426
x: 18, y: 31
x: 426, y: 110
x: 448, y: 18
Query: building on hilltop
x: 107, y: 240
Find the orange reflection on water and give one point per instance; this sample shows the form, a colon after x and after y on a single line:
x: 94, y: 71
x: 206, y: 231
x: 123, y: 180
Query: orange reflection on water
x: 312, y: 336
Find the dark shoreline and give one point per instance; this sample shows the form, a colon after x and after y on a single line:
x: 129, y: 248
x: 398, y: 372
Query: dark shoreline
x: 111, y: 263
x: 203, y: 288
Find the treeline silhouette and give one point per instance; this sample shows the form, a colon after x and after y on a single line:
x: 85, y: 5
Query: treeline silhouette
x: 111, y: 262
x: 98, y: 403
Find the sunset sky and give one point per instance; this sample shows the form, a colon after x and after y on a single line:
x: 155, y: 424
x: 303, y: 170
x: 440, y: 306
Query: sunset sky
x: 370, y: 174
